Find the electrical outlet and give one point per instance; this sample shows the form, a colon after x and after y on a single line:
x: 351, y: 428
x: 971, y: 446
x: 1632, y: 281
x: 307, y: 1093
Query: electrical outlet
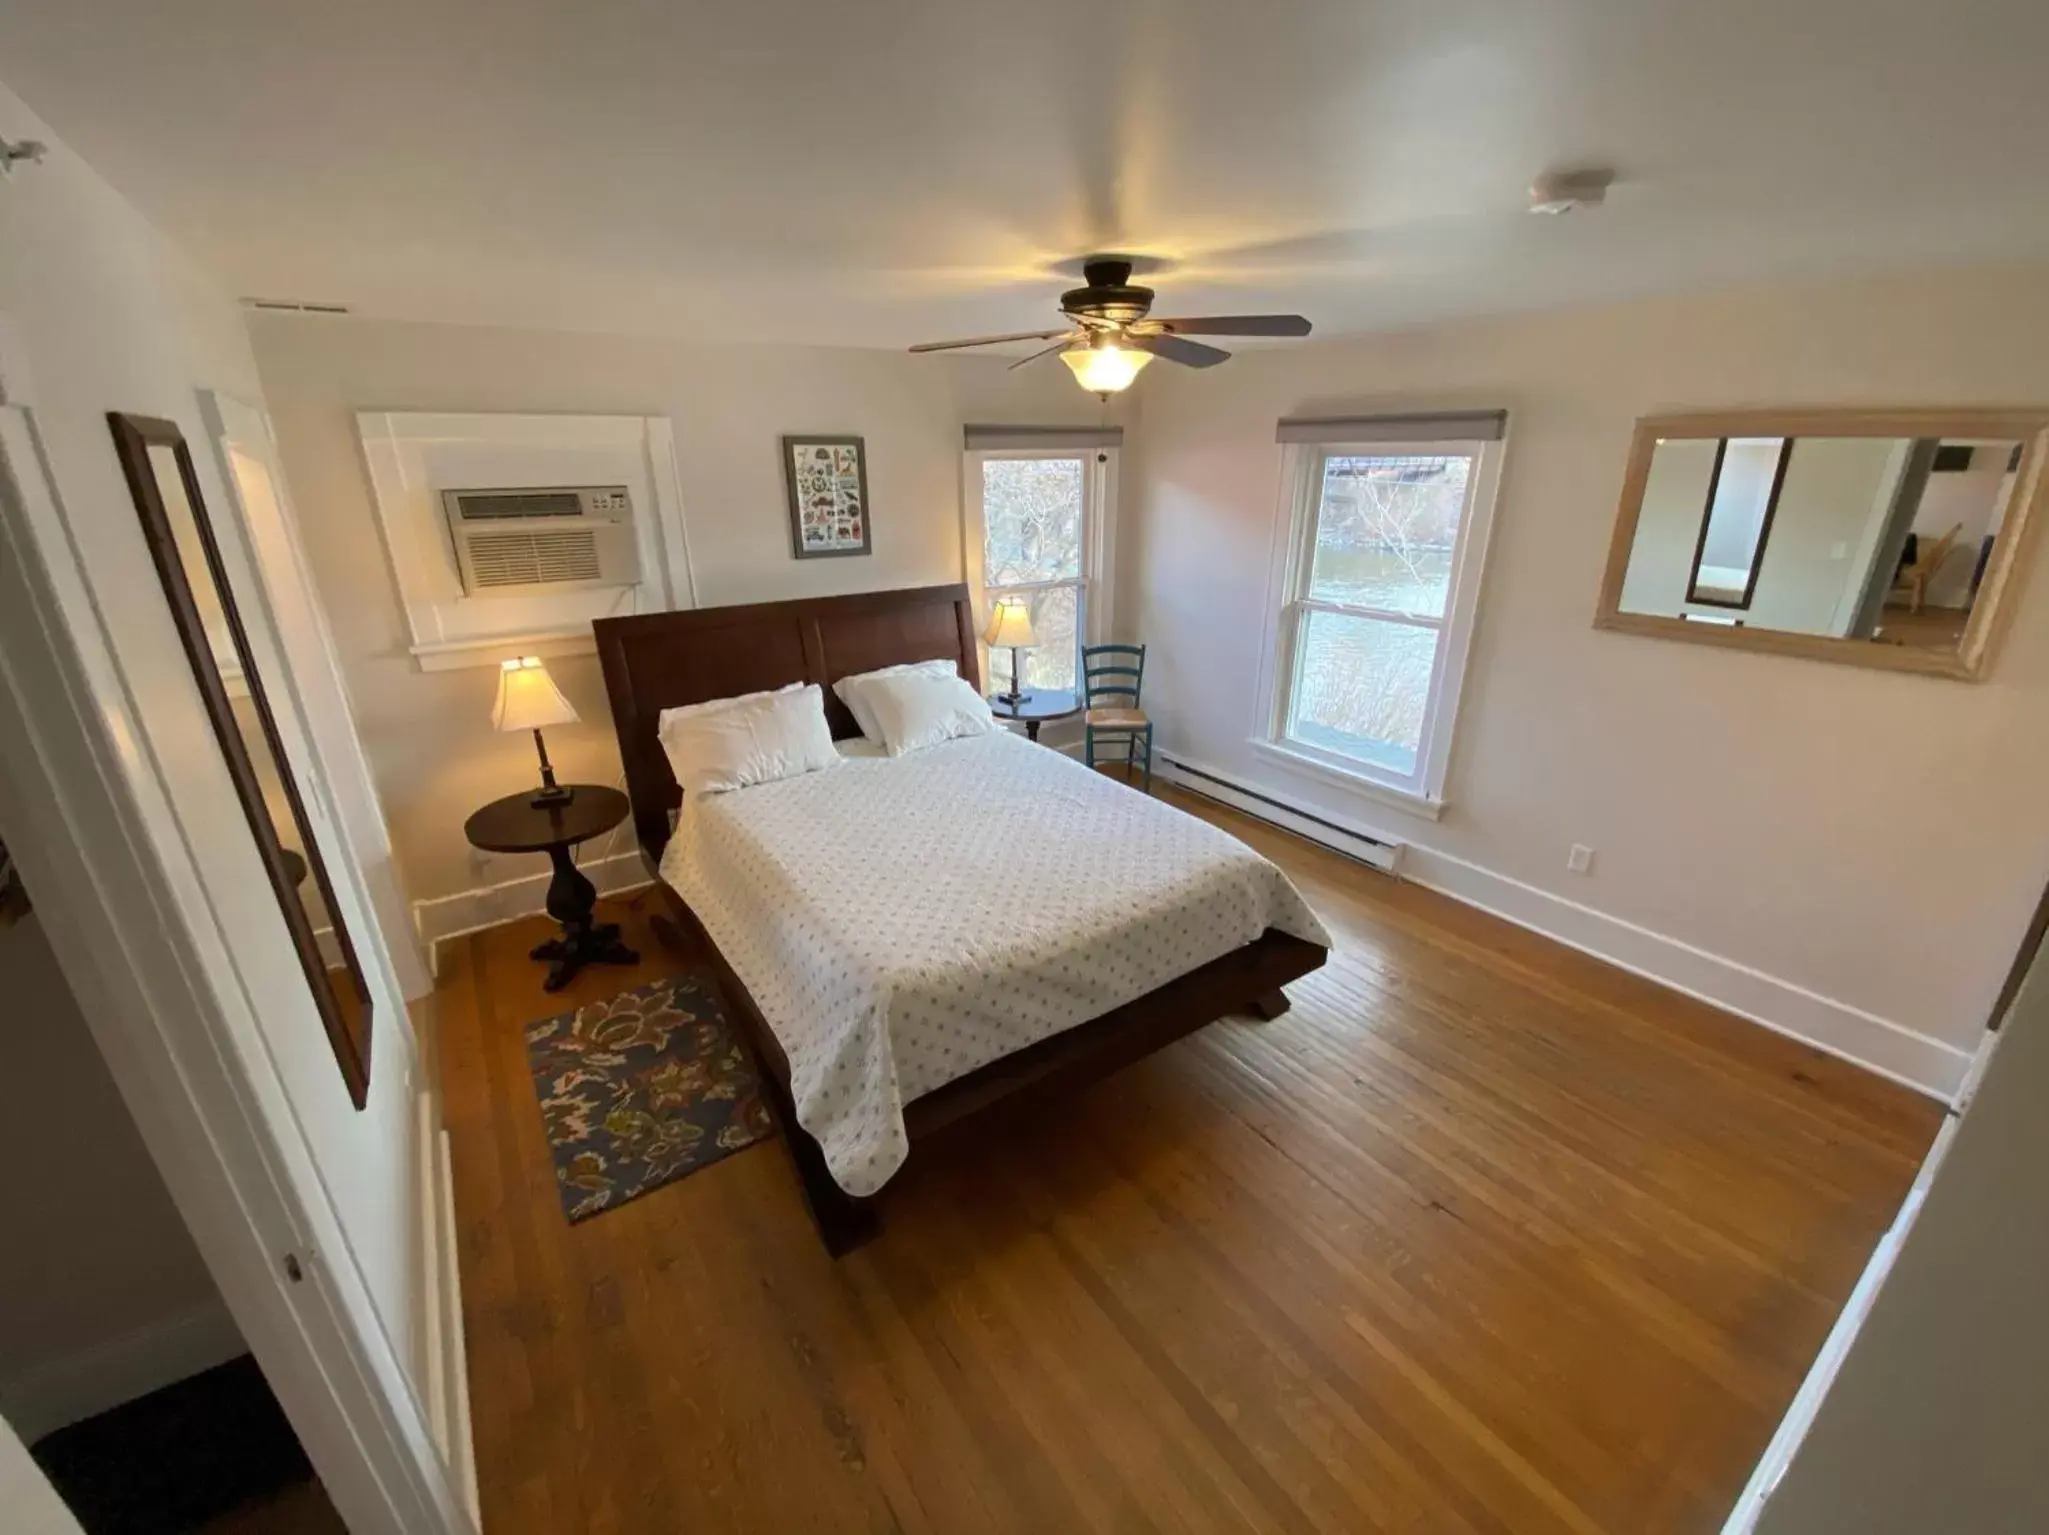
x: 1580, y: 860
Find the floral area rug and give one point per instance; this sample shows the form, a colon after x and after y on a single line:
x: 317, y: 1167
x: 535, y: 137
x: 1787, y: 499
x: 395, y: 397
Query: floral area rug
x: 641, y: 1089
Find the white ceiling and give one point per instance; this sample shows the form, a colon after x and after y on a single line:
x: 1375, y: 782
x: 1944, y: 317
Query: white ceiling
x: 888, y: 171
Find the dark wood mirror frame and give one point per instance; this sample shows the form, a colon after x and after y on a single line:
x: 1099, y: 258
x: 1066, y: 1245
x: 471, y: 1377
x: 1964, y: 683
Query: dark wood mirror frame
x: 347, y: 1019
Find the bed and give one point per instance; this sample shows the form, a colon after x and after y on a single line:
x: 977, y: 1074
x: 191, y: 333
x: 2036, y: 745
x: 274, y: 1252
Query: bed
x: 907, y: 942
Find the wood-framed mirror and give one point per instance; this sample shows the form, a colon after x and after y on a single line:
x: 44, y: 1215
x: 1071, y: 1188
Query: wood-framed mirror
x: 181, y: 540
x: 1884, y: 538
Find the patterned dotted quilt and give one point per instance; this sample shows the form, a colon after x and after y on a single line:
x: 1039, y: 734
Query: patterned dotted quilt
x: 902, y: 921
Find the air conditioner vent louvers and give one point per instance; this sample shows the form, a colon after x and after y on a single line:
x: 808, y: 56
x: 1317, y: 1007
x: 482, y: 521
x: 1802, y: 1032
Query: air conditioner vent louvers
x: 483, y: 506
x: 527, y: 559
x: 521, y: 540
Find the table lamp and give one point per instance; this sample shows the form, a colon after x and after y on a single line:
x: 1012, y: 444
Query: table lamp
x: 1011, y: 627
x: 527, y: 700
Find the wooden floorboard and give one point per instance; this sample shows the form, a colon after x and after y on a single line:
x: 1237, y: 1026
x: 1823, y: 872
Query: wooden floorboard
x: 1482, y: 1235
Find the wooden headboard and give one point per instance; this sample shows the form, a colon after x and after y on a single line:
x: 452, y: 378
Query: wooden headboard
x: 657, y: 661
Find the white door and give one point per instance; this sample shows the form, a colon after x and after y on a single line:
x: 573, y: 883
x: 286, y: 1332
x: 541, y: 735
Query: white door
x: 182, y: 1012
x: 249, y: 467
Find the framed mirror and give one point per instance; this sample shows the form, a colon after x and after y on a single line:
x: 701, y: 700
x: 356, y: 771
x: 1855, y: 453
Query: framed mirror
x: 202, y: 599
x: 1876, y: 538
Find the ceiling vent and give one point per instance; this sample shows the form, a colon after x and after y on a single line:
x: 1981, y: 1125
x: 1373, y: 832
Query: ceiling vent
x: 1564, y: 190
x: 526, y: 542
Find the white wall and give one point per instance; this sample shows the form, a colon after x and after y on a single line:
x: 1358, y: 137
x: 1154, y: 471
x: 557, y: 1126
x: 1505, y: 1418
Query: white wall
x: 428, y: 734
x: 1836, y: 495
x: 108, y: 316
x: 106, y: 1297
x: 1937, y: 1417
x: 1757, y: 819
x: 1668, y: 528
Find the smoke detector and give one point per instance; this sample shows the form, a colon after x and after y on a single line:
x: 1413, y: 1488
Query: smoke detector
x: 1563, y: 191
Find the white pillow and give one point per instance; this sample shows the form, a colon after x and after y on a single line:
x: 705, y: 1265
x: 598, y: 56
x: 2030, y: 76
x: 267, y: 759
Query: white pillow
x: 854, y: 691
x: 922, y: 710
x: 713, y: 706
x: 733, y: 742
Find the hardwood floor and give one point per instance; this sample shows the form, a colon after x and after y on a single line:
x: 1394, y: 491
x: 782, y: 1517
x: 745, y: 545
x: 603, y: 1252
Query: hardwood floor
x: 1482, y: 1235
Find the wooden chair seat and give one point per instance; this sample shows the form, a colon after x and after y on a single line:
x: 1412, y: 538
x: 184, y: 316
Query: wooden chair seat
x: 1117, y: 719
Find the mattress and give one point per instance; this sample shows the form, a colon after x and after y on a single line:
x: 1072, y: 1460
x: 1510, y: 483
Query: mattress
x: 902, y: 921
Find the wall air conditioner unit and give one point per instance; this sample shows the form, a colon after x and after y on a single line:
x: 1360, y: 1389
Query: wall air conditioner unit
x: 529, y: 542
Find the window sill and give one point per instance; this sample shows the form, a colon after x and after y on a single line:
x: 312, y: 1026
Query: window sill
x: 452, y: 655
x: 1357, y: 783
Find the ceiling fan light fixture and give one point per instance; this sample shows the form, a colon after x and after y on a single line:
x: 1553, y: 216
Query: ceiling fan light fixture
x: 1103, y: 367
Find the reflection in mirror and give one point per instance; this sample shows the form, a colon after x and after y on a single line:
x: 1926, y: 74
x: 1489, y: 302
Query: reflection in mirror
x: 1742, y: 495
x: 159, y: 470
x: 1840, y: 533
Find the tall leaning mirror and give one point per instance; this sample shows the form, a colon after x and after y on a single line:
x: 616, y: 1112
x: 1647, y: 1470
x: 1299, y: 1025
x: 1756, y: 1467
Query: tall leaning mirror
x: 202, y: 599
x: 1875, y: 538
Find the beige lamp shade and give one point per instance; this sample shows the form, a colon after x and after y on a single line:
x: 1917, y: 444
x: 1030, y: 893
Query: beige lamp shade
x: 528, y: 698
x: 1010, y: 624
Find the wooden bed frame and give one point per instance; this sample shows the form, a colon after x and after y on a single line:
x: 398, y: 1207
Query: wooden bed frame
x: 660, y: 661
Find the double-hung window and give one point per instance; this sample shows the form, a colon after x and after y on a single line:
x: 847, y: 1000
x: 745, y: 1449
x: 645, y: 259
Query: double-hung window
x: 1377, y: 590
x: 1038, y: 508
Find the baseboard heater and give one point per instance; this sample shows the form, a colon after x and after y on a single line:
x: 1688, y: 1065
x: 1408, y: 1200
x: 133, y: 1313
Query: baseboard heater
x: 1363, y: 847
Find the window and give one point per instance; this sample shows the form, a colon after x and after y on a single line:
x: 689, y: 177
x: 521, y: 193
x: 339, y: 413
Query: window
x: 1377, y: 597
x: 1037, y: 524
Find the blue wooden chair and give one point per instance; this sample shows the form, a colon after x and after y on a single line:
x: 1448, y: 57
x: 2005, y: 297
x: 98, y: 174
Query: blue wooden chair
x: 1111, y: 676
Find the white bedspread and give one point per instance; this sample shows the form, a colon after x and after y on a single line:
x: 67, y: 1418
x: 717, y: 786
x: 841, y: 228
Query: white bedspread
x: 903, y: 921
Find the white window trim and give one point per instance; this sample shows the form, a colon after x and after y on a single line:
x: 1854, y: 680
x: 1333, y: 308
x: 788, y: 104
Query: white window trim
x: 444, y: 628
x: 1421, y: 793
x: 1098, y: 538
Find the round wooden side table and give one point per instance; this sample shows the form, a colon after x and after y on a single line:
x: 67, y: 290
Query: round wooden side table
x: 516, y: 824
x: 1036, y: 708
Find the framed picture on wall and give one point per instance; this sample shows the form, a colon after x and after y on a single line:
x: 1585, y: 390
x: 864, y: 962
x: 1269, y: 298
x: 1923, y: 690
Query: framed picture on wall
x: 827, y: 478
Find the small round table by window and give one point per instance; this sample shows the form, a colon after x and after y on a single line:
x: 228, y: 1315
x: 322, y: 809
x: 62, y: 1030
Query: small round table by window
x: 516, y: 825
x: 1036, y: 708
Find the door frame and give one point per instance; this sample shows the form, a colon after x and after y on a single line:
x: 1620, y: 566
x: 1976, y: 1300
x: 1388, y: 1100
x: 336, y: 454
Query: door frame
x: 87, y: 811
x: 313, y: 675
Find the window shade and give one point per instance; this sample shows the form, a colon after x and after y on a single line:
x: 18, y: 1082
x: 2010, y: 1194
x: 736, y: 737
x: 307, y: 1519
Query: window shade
x: 1429, y: 426
x: 997, y: 439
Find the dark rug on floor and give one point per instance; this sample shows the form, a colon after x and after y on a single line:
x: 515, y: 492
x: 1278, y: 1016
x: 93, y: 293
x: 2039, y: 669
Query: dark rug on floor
x: 172, y: 1460
x: 640, y: 1089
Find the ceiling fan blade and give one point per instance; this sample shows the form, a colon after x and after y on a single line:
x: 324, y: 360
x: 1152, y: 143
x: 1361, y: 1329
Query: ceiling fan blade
x: 1066, y: 338
x: 1023, y: 335
x: 1191, y: 354
x: 1236, y: 325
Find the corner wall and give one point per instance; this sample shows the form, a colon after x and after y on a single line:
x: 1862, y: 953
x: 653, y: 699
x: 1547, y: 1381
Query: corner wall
x: 1849, y: 855
x: 428, y: 734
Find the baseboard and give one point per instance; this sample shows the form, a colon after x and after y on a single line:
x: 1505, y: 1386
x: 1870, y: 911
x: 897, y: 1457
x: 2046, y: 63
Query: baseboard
x: 1821, y: 1375
x: 467, y: 911
x: 1865, y: 1039
x: 456, y: 1342
x: 48, y: 1396
x: 443, y: 1339
x: 1370, y: 848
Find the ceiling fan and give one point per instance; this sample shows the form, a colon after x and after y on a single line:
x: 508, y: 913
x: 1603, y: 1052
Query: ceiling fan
x: 1114, y: 335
